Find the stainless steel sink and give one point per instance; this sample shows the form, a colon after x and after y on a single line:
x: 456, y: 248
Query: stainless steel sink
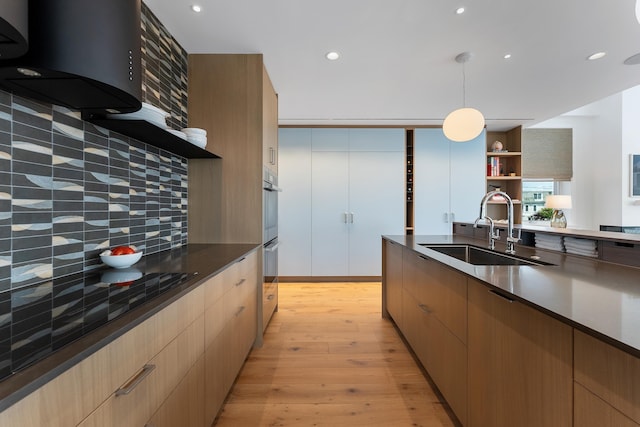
x: 480, y: 256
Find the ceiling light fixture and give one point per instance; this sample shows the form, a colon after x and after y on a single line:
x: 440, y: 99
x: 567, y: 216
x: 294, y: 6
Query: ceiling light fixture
x: 507, y: 56
x: 463, y: 124
x: 332, y: 56
x: 596, y: 55
x: 196, y: 8
x: 460, y: 11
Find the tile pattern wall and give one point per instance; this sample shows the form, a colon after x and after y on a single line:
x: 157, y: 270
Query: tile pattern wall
x: 69, y: 190
x: 164, y: 70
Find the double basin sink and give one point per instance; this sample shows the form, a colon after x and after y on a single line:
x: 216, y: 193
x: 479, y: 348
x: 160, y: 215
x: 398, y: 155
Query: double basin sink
x: 480, y: 256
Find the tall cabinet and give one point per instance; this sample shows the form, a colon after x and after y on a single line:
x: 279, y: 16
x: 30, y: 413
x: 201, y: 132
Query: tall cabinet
x: 448, y: 180
x: 231, y: 97
x: 346, y: 191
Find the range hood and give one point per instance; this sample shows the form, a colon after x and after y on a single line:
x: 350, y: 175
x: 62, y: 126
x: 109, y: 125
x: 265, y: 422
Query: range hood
x: 13, y: 28
x: 82, y: 54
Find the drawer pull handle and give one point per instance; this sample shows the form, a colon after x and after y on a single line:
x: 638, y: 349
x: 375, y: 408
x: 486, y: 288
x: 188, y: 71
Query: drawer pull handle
x: 424, y: 308
x: 424, y: 257
x: 240, y: 310
x: 270, y: 297
x: 498, y: 294
x: 241, y: 282
x: 128, y: 388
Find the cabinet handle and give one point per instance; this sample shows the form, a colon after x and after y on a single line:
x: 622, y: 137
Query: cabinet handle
x: 498, y: 294
x: 270, y: 297
x: 424, y: 258
x: 272, y: 155
x: 241, y: 282
x: 453, y: 216
x: 445, y: 217
x: 345, y: 217
x: 351, y: 217
x: 128, y: 388
x: 424, y: 308
x: 240, y: 310
x: 241, y: 259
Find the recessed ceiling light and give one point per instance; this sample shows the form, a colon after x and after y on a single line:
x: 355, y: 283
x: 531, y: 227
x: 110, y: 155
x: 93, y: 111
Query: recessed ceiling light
x: 460, y: 11
x: 332, y: 56
x: 196, y: 8
x: 507, y: 56
x: 596, y: 55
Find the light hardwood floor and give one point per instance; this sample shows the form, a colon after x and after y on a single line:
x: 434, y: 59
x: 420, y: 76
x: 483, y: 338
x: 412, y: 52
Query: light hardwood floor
x: 329, y: 359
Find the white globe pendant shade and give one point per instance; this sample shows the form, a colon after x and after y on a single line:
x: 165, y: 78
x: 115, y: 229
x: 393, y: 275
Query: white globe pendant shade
x: 463, y: 124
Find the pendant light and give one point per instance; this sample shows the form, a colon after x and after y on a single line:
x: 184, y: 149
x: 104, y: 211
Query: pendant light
x: 463, y: 124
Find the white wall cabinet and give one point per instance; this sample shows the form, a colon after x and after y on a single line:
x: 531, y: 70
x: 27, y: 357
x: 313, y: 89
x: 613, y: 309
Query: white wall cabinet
x: 449, y: 180
x: 333, y: 213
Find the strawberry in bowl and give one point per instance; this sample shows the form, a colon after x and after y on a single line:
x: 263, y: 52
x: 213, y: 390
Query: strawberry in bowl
x: 121, y: 256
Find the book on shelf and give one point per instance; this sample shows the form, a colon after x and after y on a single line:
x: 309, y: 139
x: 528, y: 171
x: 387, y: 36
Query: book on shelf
x: 493, y: 166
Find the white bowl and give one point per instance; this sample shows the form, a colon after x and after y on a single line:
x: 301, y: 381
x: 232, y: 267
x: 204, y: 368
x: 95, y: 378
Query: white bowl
x: 197, y: 141
x: 194, y: 131
x: 148, y: 113
x: 121, y: 261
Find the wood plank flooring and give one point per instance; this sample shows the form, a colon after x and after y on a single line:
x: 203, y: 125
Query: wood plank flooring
x: 329, y: 359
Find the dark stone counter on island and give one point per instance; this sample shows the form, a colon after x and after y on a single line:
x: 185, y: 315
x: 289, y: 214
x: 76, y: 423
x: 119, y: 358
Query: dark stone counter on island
x: 600, y: 298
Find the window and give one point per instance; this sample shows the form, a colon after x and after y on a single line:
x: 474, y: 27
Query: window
x: 534, y: 193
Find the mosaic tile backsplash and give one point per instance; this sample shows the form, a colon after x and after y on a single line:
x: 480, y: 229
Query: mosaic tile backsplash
x: 70, y: 189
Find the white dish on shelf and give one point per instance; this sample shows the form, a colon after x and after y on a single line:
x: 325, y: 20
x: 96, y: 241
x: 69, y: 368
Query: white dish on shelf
x: 197, y: 141
x: 195, y: 131
x: 147, y: 113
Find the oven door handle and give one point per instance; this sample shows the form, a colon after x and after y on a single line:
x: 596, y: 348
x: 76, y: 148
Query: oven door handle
x: 272, y: 248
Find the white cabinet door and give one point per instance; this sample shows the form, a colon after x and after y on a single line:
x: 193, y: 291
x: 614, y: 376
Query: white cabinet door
x: 448, y: 180
x: 431, y: 182
x: 330, y: 213
x: 294, y: 216
x: 376, y: 196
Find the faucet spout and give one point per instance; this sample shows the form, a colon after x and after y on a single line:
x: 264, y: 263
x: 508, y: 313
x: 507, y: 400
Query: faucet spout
x: 511, y: 240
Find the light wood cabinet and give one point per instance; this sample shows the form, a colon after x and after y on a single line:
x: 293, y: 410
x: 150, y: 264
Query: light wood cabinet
x: 392, y: 281
x: 230, y: 329
x: 506, y: 174
x: 610, y: 378
x: 520, y: 363
x: 231, y: 96
x: 434, y: 324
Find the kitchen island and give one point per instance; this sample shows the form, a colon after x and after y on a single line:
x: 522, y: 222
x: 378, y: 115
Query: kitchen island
x: 198, y: 328
x: 519, y: 345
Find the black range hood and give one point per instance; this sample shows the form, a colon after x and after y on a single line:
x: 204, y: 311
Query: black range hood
x: 83, y: 54
x: 13, y: 28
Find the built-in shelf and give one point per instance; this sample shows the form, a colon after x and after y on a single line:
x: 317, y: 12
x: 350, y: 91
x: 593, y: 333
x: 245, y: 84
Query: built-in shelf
x: 153, y: 135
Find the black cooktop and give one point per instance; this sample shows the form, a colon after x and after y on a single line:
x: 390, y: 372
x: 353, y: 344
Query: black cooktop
x: 37, y: 320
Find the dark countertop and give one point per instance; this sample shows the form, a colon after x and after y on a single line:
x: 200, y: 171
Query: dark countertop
x: 200, y: 261
x: 599, y: 298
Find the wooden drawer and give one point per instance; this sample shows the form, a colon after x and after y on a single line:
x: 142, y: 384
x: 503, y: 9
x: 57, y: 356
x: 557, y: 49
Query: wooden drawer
x: 609, y: 373
x: 185, y: 405
x: 138, y: 398
x: 591, y: 411
x: 620, y: 252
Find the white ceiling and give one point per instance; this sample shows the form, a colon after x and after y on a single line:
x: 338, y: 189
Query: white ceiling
x: 397, y: 64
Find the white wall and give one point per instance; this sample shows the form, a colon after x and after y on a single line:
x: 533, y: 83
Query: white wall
x: 605, y: 133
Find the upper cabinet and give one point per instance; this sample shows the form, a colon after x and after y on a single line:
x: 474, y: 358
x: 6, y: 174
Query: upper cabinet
x: 232, y: 98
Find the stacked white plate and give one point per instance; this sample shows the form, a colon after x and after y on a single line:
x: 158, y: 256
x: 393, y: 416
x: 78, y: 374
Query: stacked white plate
x: 196, y: 136
x: 148, y: 113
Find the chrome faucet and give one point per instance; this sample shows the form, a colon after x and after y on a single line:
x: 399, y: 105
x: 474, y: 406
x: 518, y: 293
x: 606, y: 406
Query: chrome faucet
x: 493, y: 235
x: 511, y: 240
